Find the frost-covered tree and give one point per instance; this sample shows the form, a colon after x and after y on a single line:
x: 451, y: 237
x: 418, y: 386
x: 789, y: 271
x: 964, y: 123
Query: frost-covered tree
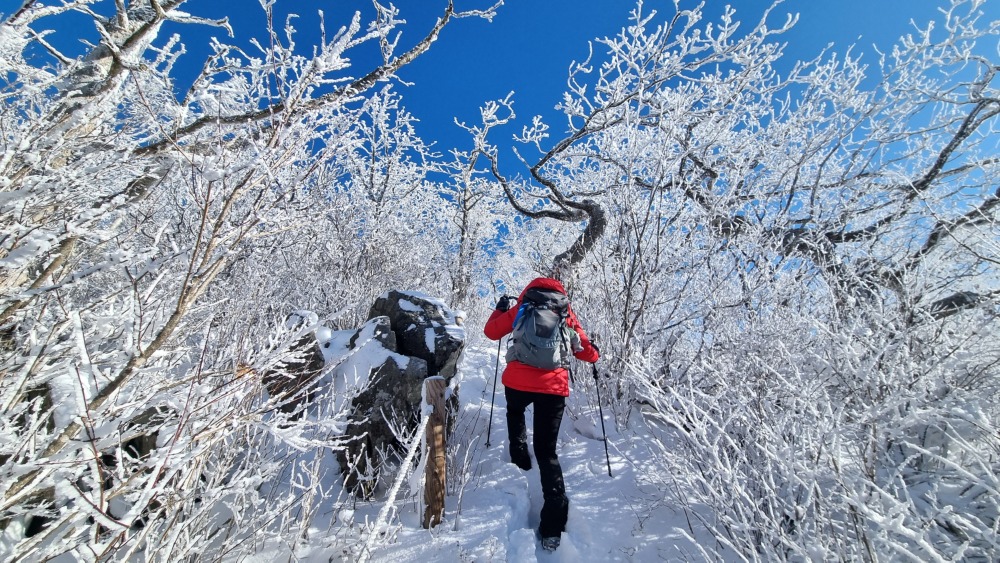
x: 795, y: 269
x: 144, y: 235
x: 479, y: 214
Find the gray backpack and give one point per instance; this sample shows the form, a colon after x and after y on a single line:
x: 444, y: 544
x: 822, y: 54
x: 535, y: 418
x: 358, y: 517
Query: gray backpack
x: 541, y: 337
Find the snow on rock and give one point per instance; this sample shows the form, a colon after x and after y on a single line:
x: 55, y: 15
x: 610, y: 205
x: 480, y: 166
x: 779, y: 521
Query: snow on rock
x: 300, y: 318
x: 382, y: 367
x: 382, y: 383
x: 424, y: 327
x: 430, y: 338
x: 365, y: 352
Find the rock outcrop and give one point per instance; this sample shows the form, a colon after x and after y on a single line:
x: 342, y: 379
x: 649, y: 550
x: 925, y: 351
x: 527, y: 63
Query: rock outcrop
x: 408, y: 337
x: 290, y: 378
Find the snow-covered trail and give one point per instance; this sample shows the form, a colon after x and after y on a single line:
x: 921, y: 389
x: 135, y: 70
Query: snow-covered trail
x: 495, y: 516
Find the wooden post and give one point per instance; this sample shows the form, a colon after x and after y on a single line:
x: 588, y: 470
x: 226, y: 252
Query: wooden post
x: 434, y: 477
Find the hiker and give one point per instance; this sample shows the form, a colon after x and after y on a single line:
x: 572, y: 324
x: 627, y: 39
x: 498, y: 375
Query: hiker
x: 546, y: 387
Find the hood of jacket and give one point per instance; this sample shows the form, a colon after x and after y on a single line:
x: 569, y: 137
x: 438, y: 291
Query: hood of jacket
x: 544, y: 283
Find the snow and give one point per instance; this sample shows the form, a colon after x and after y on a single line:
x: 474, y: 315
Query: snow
x: 492, y: 507
x: 453, y: 319
x: 500, y: 504
x: 455, y: 331
x: 837, y: 399
x: 429, y: 339
x: 11, y: 195
x: 33, y: 245
x: 333, y: 344
x: 300, y: 318
x: 353, y: 367
x: 409, y: 306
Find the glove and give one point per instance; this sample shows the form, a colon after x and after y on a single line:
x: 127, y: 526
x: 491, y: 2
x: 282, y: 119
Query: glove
x: 504, y: 303
x: 594, y: 346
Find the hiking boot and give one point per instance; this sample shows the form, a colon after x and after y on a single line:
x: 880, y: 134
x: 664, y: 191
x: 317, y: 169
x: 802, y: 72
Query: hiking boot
x: 524, y: 462
x: 520, y: 458
x: 550, y: 544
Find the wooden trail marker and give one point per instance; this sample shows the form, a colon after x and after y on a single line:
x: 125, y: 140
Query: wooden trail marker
x: 434, y: 477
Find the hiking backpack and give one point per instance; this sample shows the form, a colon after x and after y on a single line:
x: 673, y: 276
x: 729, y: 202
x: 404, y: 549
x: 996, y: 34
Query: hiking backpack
x: 541, y: 337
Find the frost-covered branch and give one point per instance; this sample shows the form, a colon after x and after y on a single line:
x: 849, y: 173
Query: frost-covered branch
x: 149, y: 262
x: 338, y: 96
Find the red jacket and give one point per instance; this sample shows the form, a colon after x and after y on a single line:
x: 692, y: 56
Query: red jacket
x: 529, y: 378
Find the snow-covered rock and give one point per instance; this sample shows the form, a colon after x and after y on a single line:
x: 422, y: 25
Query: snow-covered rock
x: 408, y: 337
x: 424, y: 328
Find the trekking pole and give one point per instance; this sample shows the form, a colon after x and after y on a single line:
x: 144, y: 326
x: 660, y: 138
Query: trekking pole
x: 597, y: 385
x: 496, y: 371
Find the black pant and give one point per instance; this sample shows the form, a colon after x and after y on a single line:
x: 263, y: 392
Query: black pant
x: 548, y: 417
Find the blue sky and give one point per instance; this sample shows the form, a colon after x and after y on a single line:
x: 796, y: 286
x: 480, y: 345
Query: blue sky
x: 530, y: 44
